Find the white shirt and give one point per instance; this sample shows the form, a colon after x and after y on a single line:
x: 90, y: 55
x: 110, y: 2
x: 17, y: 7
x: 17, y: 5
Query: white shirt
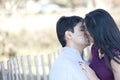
x: 67, y: 66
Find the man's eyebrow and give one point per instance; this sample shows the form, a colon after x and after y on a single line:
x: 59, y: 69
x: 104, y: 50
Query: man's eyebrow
x: 82, y: 26
x: 82, y: 22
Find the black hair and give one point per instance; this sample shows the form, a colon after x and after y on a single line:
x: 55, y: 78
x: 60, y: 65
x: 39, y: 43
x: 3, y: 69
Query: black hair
x: 66, y: 24
x: 104, y: 31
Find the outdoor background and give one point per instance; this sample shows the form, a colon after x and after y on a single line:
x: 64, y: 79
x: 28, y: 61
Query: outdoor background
x: 28, y: 27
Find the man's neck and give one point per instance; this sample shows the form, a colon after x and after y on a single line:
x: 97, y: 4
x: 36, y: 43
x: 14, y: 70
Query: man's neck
x: 79, y: 49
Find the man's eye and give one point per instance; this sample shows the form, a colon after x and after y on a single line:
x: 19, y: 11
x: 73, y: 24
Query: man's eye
x: 82, y: 29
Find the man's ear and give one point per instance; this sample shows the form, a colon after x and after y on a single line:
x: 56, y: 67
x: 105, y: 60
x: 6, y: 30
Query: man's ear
x: 68, y: 34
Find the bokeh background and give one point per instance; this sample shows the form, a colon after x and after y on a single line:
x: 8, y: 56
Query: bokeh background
x: 28, y: 27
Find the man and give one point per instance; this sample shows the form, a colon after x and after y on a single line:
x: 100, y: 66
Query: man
x: 72, y: 37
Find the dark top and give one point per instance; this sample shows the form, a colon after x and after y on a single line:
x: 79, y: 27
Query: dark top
x: 99, y: 65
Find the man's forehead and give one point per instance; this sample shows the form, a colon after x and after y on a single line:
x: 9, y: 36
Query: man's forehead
x: 80, y: 23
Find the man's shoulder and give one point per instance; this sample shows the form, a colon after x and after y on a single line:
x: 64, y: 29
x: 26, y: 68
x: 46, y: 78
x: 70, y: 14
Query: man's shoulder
x: 61, y: 62
x: 65, y: 69
x: 60, y: 70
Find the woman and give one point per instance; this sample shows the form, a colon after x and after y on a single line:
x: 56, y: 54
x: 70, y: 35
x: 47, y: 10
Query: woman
x: 105, y: 35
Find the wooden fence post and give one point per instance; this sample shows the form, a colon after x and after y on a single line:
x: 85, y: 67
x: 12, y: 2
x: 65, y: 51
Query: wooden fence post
x: 23, y: 68
x: 43, y: 68
x: 37, y: 68
x: 30, y: 67
x: 4, y: 76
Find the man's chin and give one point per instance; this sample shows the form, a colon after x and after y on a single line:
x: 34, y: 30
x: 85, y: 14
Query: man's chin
x: 88, y: 44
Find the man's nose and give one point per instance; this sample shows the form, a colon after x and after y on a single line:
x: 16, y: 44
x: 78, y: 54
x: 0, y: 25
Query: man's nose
x: 86, y: 32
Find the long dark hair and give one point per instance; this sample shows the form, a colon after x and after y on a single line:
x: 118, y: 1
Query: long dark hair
x: 104, y: 31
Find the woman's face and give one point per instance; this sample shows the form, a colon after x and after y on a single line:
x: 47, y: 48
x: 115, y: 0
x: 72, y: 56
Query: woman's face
x: 90, y: 37
x: 88, y: 34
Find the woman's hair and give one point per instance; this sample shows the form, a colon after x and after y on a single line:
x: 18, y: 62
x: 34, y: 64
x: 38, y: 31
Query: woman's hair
x: 104, y: 31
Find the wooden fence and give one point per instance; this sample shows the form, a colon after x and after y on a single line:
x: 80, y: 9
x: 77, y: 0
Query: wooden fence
x: 27, y: 68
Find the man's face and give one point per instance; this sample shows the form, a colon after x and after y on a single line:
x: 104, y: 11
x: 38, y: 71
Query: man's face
x: 79, y: 37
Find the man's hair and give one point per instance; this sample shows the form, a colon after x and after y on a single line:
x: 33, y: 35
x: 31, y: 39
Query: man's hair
x: 66, y: 24
x: 104, y: 31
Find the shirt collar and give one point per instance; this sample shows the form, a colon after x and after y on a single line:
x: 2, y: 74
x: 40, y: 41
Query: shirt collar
x: 72, y: 53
